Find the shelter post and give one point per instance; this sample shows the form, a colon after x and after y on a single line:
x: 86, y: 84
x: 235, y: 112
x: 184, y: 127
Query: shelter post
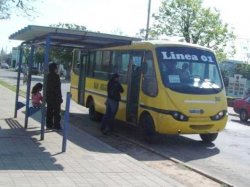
x: 45, y: 72
x: 66, y: 122
x: 30, y: 63
x: 18, y: 77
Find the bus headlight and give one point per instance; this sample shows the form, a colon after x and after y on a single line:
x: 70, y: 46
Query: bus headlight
x: 178, y: 116
x: 219, y: 115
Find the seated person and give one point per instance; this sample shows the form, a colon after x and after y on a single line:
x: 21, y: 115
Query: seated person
x: 171, y: 72
x: 185, y: 73
x: 36, y: 95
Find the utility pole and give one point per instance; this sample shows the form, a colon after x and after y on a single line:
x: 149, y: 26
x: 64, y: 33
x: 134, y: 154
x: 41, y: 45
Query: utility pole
x: 147, y: 27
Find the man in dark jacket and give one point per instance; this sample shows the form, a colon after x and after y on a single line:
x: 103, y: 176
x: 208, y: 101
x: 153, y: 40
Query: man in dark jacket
x: 114, y: 96
x: 53, y: 98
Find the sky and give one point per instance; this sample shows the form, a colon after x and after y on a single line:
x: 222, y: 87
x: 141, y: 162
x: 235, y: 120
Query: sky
x: 109, y: 16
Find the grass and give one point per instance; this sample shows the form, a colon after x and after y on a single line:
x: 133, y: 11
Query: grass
x: 12, y: 88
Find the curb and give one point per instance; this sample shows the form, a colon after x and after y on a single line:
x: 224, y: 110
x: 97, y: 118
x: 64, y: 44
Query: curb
x: 231, y: 114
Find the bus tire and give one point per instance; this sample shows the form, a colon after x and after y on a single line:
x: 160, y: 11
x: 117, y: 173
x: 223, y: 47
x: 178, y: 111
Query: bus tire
x: 208, y: 138
x: 243, y: 116
x: 148, y: 129
x: 93, y: 115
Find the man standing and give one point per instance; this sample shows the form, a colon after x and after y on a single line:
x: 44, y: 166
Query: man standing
x: 53, y: 98
x: 114, y: 90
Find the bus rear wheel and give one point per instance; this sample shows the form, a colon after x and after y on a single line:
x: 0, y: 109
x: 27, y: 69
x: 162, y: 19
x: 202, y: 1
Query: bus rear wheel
x: 148, y: 129
x: 208, y: 138
x: 93, y: 115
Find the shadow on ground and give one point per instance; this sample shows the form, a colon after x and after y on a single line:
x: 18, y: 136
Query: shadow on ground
x: 247, y: 123
x: 20, y: 151
x: 179, y: 147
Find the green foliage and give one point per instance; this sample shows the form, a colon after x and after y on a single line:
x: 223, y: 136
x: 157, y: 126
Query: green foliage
x: 63, y: 55
x: 26, y: 53
x: 39, y: 55
x: 12, y: 88
x: 221, y: 55
x: 69, y: 26
x: 189, y: 20
x: 18, y: 7
x: 244, y: 70
x: 4, y: 56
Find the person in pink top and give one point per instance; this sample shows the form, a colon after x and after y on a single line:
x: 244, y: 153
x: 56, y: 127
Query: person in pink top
x: 36, y: 95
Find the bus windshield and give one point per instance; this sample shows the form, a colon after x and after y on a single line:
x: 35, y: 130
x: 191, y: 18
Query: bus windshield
x: 189, y: 70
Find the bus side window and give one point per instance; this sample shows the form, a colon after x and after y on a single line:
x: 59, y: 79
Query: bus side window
x: 149, y: 83
x: 102, y: 64
x: 76, y: 62
x: 91, y: 64
x: 123, y: 70
x: 113, y: 64
x: 106, y: 62
x: 76, y: 67
x: 120, y: 64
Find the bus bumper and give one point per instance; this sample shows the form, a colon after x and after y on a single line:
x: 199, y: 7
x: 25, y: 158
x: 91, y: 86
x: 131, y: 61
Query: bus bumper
x: 168, y: 125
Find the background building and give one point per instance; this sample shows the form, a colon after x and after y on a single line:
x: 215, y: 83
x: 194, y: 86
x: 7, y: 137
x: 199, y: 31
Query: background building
x: 236, y: 84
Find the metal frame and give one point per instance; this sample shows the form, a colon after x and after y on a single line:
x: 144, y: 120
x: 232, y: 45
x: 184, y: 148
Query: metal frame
x: 48, y: 36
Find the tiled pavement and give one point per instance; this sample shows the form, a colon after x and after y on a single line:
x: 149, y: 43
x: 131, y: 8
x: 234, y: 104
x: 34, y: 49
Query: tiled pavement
x: 27, y: 161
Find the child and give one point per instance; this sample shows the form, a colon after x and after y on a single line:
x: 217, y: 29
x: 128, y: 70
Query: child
x: 36, y: 95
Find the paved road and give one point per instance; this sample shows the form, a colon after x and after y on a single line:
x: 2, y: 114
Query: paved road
x: 11, y: 77
x: 228, y: 158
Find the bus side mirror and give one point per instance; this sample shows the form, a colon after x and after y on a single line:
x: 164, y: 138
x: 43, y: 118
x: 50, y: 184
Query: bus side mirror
x: 144, y: 68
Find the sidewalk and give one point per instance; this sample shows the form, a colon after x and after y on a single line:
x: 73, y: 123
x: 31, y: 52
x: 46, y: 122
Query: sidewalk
x: 27, y: 161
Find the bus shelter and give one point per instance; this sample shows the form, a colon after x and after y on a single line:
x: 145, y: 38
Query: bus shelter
x: 34, y: 36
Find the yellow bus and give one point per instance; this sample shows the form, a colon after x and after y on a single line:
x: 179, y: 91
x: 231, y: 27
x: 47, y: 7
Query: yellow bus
x: 170, y: 87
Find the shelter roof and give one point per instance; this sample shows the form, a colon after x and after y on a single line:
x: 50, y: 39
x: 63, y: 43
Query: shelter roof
x: 33, y: 34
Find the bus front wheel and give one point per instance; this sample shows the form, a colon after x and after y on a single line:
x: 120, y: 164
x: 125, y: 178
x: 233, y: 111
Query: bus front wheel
x: 148, y: 129
x: 93, y: 115
x: 208, y: 138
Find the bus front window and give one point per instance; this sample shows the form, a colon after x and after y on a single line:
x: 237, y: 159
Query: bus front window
x: 189, y: 70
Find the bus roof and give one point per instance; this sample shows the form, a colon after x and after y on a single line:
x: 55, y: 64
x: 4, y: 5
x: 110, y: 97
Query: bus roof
x: 159, y: 43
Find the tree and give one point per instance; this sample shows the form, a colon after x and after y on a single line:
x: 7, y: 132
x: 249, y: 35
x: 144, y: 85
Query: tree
x: 2, y: 53
x: 69, y: 26
x: 19, y: 7
x: 243, y: 69
x: 117, y: 31
x: 189, y: 20
x: 63, y: 54
x: 2, y: 56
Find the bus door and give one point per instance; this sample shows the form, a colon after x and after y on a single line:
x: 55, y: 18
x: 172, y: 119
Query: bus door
x: 82, y: 77
x: 134, y: 77
x: 74, y: 82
